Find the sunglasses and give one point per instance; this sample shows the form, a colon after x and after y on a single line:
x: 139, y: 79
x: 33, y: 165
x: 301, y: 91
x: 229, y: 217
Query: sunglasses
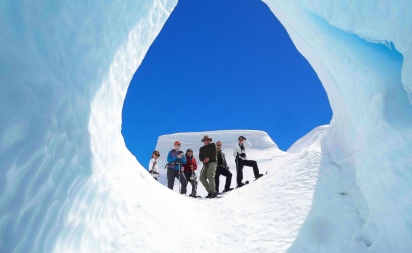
x: 241, y: 139
x: 219, y: 144
x: 157, y: 154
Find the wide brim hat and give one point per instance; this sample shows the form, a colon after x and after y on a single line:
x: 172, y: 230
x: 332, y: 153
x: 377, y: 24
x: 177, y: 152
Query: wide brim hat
x: 206, y: 138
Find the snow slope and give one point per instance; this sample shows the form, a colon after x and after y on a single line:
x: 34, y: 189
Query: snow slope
x: 264, y: 216
x: 68, y: 183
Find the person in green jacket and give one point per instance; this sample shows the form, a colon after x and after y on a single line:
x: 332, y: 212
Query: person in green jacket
x: 208, y: 155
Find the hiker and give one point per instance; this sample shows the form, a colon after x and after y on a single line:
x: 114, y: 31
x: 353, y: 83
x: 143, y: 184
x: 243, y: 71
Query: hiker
x: 175, y: 159
x: 240, y: 159
x: 222, y: 169
x: 207, y: 155
x: 189, y: 171
x: 153, y: 168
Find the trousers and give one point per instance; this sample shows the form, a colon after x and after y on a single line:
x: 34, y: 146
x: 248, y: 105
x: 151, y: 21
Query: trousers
x: 171, y: 175
x: 239, y: 168
x: 224, y: 172
x: 207, y: 177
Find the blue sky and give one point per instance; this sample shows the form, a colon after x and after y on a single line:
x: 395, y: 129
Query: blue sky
x: 221, y: 65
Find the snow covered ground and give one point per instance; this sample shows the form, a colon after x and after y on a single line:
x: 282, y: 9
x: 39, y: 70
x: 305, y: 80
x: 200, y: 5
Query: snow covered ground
x: 264, y: 216
x: 68, y: 183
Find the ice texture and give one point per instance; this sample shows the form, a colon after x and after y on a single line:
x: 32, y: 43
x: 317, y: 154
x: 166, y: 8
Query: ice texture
x: 69, y: 184
x: 64, y: 70
x: 361, y: 52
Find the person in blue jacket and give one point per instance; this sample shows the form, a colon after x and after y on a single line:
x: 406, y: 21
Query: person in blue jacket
x: 175, y: 159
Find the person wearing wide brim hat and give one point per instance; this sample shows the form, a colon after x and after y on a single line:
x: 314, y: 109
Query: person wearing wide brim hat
x: 208, y: 155
x: 241, y: 160
x: 206, y: 138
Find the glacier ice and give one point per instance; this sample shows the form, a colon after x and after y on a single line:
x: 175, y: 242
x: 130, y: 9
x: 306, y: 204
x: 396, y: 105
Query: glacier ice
x: 368, y: 85
x: 65, y: 67
x: 68, y: 183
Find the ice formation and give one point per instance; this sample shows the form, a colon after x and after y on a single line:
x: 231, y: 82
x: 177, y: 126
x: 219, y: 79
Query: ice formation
x: 362, y: 54
x: 68, y: 183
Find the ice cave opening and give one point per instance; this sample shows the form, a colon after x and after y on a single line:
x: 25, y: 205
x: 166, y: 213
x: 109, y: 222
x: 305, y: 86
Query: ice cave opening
x: 69, y: 184
x: 242, y: 54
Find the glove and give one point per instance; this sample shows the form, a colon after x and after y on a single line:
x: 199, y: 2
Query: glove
x: 243, y: 155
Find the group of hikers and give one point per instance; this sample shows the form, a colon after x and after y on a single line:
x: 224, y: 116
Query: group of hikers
x: 183, y: 166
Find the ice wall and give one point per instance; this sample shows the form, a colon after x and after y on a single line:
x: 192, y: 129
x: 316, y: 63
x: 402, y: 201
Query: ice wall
x: 64, y: 70
x: 362, y: 54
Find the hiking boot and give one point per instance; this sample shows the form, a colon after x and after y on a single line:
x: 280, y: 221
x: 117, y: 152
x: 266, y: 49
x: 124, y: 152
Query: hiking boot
x: 213, y: 195
x: 258, y: 176
x: 240, y: 185
x: 227, y: 190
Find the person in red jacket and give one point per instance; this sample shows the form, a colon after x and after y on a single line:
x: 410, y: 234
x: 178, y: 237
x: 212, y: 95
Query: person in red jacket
x: 189, y: 170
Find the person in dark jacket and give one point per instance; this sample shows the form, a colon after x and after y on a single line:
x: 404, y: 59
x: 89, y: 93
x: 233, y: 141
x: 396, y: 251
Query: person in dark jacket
x: 208, y: 155
x: 175, y: 159
x: 189, y: 170
x: 222, y: 169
